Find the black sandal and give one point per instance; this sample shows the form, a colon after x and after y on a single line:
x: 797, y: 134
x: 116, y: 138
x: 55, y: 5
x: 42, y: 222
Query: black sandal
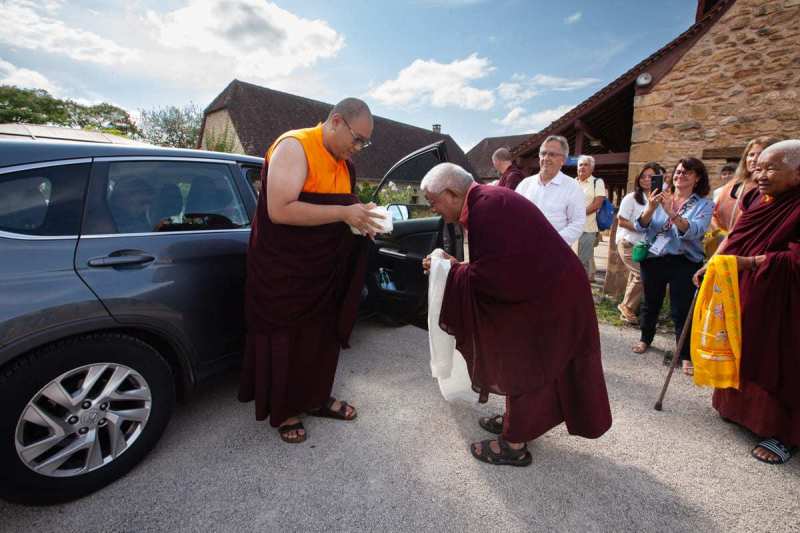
x: 507, y: 456
x: 340, y: 414
x: 284, y: 431
x: 492, y: 424
x: 777, y: 448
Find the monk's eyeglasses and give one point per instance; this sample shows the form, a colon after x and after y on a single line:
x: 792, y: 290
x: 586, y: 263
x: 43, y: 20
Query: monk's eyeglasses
x: 358, y: 141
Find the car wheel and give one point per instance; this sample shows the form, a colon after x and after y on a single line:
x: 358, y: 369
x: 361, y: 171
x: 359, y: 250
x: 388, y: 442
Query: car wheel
x: 79, y: 414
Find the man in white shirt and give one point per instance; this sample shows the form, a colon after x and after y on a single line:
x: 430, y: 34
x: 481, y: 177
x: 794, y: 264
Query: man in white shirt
x: 594, y: 192
x: 558, y: 196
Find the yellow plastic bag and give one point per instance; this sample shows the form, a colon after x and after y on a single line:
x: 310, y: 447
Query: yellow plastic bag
x: 716, y: 342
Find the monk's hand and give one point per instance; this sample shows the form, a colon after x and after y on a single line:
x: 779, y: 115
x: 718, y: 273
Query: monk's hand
x: 426, y: 265
x: 698, y: 276
x: 362, y: 218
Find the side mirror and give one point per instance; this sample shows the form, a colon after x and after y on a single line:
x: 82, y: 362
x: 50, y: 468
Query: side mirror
x: 398, y: 211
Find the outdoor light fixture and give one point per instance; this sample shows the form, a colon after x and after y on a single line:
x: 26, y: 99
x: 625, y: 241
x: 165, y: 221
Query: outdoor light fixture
x: 644, y: 79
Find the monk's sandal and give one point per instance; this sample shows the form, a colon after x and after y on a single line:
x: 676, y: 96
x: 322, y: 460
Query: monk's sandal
x: 492, y: 424
x: 775, y: 446
x: 507, y: 456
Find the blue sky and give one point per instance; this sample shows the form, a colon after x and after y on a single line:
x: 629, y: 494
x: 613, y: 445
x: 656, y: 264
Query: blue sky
x: 480, y: 68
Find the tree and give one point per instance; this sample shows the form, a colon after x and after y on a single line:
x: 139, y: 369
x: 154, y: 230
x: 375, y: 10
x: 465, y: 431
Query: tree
x: 103, y: 117
x: 37, y: 106
x: 31, y: 106
x: 172, y: 126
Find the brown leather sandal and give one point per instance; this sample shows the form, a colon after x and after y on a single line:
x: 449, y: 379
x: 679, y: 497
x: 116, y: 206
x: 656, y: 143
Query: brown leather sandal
x: 326, y: 411
x: 284, y: 431
x: 492, y: 424
x: 507, y: 456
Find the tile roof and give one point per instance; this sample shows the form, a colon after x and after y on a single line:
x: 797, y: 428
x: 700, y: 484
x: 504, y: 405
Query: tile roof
x: 480, y: 156
x: 260, y: 115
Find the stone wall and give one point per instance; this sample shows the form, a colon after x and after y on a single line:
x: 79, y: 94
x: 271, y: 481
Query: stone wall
x: 739, y: 81
x: 216, y: 124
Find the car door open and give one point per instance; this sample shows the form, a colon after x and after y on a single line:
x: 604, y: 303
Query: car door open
x: 397, y: 288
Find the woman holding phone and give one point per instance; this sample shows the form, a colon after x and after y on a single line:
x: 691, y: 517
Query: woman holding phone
x: 673, y: 225
x: 631, y: 207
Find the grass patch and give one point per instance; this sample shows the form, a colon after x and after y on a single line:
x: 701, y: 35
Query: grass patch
x: 607, y: 313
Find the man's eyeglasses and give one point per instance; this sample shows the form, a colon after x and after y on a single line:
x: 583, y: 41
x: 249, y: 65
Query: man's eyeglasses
x: 358, y: 141
x: 551, y: 154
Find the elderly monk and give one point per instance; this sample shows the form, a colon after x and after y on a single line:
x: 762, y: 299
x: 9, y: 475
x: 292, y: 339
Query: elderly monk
x: 766, y: 243
x: 305, y: 270
x: 523, y: 317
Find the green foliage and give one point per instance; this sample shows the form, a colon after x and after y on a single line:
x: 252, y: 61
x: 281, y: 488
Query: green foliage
x: 32, y: 106
x: 172, y: 126
x: 364, y: 191
x: 220, y: 142
x: 392, y: 194
x: 37, y: 106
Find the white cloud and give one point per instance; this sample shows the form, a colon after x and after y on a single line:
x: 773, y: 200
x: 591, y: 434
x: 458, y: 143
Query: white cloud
x: 522, y: 88
x: 27, y: 25
x: 252, y: 36
x: 572, y: 19
x: 26, y: 78
x: 520, y: 121
x: 439, y: 84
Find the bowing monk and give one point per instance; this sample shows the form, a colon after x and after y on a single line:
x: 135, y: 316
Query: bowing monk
x: 523, y: 317
x: 766, y: 243
x: 305, y: 270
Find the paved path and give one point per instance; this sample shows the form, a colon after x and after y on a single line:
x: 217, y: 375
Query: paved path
x: 403, y: 465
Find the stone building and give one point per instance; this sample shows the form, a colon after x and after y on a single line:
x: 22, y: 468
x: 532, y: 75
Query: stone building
x: 733, y: 75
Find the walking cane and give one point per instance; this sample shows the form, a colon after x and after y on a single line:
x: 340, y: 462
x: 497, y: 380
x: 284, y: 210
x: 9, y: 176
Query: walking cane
x: 687, y: 326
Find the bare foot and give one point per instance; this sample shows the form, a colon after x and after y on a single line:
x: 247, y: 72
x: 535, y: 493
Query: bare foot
x: 640, y: 347
x: 688, y: 369
x: 495, y: 446
x: 350, y: 411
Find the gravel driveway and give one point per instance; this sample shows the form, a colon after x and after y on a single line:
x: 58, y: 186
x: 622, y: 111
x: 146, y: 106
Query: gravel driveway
x: 404, y: 464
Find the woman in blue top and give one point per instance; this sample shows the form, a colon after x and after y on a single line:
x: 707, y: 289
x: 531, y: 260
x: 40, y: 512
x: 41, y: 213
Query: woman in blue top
x: 674, y: 225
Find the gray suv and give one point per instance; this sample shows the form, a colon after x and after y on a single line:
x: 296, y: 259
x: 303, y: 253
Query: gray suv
x: 121, y: 288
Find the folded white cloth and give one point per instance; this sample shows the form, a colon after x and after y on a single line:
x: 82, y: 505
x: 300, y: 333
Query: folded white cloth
x: 385, y: 221
x: 447, y: 363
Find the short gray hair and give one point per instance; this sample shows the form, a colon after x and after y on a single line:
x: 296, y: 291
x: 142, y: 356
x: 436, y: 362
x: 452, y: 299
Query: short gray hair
x: 588, y: 158
x: 502, y: 154
x: 560, y: 140
x: 790, y: 150
x: 446, y: 176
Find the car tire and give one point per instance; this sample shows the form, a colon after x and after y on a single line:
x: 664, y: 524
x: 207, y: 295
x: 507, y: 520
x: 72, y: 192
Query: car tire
x: 125, y: 392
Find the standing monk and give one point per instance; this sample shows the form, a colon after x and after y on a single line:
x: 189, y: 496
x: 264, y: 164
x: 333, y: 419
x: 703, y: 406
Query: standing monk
x: 523, y: 317
x: 305, y: 270
x: 510, y: 173
x: 766, y: 243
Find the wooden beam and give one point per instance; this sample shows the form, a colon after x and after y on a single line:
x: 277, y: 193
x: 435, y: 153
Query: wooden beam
x: 578, y: 141
x: 730, y: 152
x: 617, y: 158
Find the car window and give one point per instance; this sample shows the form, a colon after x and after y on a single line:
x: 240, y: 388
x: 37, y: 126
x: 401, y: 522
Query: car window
x: 43, y: 202
x: 158, y: 196
x: 253, y: 175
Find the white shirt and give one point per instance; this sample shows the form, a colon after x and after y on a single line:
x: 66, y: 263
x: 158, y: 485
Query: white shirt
x: 630, y: 210
x: 561, y: 201
x: 592, y: 188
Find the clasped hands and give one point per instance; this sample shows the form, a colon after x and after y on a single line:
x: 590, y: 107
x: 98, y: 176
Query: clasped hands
x: 426, y: 263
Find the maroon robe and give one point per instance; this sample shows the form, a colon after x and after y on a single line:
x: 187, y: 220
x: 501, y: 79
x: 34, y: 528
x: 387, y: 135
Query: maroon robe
x: 511, y: 177
x: 302, y: 294
x: 523, y: 316
x: 768, y: 399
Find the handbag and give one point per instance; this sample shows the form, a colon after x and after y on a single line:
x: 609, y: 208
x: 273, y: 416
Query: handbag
x: 639, y: 251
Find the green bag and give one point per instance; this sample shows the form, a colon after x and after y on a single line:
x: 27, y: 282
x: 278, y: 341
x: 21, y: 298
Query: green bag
x: 640, y: 251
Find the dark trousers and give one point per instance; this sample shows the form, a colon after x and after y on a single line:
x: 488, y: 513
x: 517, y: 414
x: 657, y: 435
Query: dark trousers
x: 658, y: 272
